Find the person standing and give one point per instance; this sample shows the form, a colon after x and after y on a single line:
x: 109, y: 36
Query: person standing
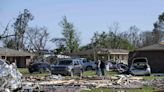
x: 98, y: 70
x: 102, y: 68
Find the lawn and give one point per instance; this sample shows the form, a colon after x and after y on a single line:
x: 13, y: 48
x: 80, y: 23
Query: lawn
x: 145, y: 89
x: 25, y: 72
x: 91, y: 73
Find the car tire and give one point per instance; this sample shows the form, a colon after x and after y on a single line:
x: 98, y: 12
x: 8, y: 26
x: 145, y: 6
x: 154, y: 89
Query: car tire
x: 41, y: 70
x: 147, y: 74
x: 30, y: 71
x: 89, y: 68
x: 80, y: 74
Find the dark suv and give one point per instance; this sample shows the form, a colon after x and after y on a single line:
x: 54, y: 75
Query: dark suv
x: 67, y: 67
x: 39, y: 67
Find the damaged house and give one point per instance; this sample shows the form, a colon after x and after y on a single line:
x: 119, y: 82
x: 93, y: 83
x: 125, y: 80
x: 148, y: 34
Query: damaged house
x: 21, y: 58
x: 154, y: 54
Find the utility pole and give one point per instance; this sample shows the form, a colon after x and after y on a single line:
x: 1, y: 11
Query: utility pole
x: 94, y: 51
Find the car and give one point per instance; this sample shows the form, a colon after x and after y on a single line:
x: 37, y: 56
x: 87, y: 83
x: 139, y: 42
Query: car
x: 87, y: 64
x: 69, y: 67
x: 140, y: 66
x: 112, y: 65
x: 39, y: 67
x: 117, y: 66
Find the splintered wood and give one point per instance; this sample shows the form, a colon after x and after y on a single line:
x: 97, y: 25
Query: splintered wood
x: 120, y: 81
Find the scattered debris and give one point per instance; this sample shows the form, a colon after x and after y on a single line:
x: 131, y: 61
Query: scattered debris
x: 158, y: 83
x: 120, y: 81
x: 56, y: 77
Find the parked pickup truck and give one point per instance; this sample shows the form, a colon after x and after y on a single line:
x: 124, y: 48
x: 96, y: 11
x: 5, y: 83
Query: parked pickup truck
x: 67, y: 67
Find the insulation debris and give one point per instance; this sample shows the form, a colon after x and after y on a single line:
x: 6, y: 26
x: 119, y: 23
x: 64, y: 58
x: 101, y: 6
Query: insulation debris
x: 10, y: 77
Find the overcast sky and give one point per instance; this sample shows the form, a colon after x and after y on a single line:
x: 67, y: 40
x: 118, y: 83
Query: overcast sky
x: 88, y: 16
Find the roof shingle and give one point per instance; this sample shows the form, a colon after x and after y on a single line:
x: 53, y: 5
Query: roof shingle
x: 12, y: 52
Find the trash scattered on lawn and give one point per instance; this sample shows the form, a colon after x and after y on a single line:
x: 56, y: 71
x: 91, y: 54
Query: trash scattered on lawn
x: 56, y: 77
x: 158, y: 83
x: 120, y: 81
x: 58, y: 83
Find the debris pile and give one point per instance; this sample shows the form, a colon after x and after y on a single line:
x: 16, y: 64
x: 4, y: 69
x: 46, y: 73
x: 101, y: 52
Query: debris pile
x: 120, y: 81
x: 10, y: 77
x: 158, y: 83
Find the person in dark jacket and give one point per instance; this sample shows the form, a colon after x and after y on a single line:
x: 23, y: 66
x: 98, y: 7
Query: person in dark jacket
x: 102, y: 68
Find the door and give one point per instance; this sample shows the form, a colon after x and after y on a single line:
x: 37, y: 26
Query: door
x: 77, y: 66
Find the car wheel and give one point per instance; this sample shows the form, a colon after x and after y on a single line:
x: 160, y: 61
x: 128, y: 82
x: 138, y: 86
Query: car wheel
x: 47, y: 70
x: 30, y: 71
x: 80, y: 74
x: 147, y: 75
x: 89, y: 68
x: 41, y: 70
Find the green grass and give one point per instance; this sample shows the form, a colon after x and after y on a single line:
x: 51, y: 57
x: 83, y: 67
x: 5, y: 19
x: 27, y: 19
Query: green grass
x: 145, y: 89
x: 91, y: 73
x: 111, y: 73
x: 152, y: 77
x: 25, y: 72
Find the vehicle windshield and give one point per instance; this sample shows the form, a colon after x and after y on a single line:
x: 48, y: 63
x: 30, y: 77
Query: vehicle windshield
x: 140, y: 60
x: 65, y: 62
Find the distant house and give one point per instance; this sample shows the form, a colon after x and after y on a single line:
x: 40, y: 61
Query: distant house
x: 154, y: 54
x: 99, y: 53
x: 21, y: 58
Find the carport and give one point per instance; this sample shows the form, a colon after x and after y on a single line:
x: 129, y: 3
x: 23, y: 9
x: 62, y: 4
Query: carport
x: 154, y: 54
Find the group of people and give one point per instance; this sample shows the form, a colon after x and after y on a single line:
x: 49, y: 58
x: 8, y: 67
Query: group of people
x: 100, y: 68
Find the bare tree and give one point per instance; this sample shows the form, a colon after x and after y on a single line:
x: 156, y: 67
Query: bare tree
x: 37, y: 39
x: 20, y: 27
x: 60, y: 43
x: 113, y: 39
x: 7, y: 36
x: 5, y: 32
x: 115, y: 35
x: 146, y: 38
x: 134, y: 36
